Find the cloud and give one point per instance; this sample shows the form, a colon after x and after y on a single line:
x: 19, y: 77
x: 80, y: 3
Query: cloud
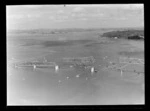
x: 63, y: 18
x: 15, y: 16
x: 51, y: 17
x: 83, y: 19
x: 23, y: 16
x: 25, y: 6
x: 60, y: 11
x: 97, y: 15
x: 125, y: 6
x: 32, y: 6
x: 33, y: 15
x: 86, y: 14
x: 78, y: 9
x: 122, y: 6
x: 137, y: 6
x: 78, y: 14
x: 120, y: 18
x: 58, y: 18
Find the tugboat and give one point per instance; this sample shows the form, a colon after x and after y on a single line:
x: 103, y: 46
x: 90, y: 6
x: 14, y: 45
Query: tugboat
x: 93, y: 70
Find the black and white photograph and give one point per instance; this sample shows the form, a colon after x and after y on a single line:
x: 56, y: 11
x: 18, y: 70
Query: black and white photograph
x: 75, y: 54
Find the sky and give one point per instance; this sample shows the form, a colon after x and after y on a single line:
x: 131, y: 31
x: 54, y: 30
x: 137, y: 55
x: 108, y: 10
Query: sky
x: 74, y: 16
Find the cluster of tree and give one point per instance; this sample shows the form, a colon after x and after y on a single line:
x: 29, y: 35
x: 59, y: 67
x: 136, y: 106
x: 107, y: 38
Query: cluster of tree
x: 123, y: 34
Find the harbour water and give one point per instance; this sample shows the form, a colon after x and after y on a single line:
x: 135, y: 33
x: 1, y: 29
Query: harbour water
x: 44, y: 77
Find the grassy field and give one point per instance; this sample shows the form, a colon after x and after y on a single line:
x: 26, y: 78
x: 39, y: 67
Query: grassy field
x: 46, y: 87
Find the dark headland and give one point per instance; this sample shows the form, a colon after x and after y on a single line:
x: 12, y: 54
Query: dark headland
x: 125, y: 34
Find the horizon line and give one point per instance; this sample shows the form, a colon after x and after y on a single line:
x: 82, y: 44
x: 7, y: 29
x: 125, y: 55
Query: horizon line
x: 77, y: 28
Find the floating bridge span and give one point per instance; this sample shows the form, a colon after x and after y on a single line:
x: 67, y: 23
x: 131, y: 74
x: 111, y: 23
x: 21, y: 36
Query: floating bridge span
x: 124, y: 62
x: 34, y: 63
x: 131, y: 60
x: 79, y: 61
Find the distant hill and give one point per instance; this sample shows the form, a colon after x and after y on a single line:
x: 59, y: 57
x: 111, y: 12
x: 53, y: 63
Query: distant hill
x: 123, y: 34
x: 50, y: 31
x: 66, y: 30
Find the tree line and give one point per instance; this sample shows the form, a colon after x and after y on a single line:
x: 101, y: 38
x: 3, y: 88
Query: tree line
x: 123, y: 34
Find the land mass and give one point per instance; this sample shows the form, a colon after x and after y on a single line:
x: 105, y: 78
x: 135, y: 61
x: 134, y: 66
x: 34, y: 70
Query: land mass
x: 126, y: 34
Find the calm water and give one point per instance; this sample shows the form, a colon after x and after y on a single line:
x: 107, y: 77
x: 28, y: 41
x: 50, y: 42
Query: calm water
x: 44, y: 86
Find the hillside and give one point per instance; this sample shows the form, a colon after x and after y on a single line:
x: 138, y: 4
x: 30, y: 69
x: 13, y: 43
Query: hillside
x: 123, y: 34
